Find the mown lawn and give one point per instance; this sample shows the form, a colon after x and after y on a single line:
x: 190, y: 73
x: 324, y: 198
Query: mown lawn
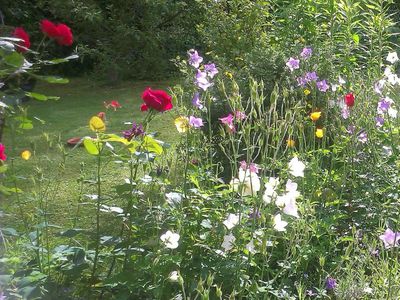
x: 66, y: 118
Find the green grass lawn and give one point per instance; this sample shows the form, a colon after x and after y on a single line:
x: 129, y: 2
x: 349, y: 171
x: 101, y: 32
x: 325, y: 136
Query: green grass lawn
x: 69, y: 117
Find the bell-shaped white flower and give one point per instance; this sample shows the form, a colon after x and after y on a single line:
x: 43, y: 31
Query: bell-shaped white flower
x: 231, y: 221
x: 270, y: 190
x: 248, y: 183
x: 227, y: 244
x: 296, y: 167
x: 392, y: 57
x: 279, y: 225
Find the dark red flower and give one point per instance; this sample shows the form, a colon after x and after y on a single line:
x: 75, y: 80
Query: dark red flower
x: 64, y: 37
x: 156, y: 99
x: 349, y: 99
x: 49, y: 28
x: 25, y: 44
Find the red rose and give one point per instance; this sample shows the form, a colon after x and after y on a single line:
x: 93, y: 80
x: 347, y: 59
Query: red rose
x: 49, y: 28
x: 64, y: 37
x: 20, y: 33
x: 156, y: 99
x: 349, y: 99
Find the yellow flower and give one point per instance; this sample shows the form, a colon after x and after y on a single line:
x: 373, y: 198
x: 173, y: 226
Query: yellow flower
x: 182, y: 124
x: 26, y: 154
x: 97, y: 124
x: 307, y: 92
x: 290, y: 143
x: 319, y: 133
x: 315, y: 116
x: 229, y: 75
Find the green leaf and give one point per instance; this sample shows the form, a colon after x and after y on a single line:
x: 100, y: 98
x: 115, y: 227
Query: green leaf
x: 356, y: 38
x: 92, y: 147
x: 14, y: 59
x: 3, y: 168
x: 151, y: 145
x: 53, y: 79
x: 71, y: 232
x: 41, y: 97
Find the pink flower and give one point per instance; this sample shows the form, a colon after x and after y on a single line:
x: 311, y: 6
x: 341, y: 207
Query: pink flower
x: 228, y: 120
x: 239, y: 115
x: 3, y: 156
x: 390, y: 238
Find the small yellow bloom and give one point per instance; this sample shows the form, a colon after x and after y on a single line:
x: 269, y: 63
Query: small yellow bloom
x: 26, y: 154
x: 229, y: 75
x: 290, y: 143
x: 315, y: 116
x: 97, y: 124
x: 182, y: 124
x: 319, y: 133
x: 307, y: 92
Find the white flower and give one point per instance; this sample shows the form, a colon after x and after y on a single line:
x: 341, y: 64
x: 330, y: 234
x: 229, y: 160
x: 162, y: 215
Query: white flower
x: 296, y: 167
x: 393, y: 79
x: 173, y: 198
x: 387, y: 150
x: 247, y: 184
x: 170, y: 239
x: 231, y: 221
x: 392, y: 112
x: 392, y: 57
x: 227, y: 244
x: 270, y: 190
x: 291, y: 207
x: 279, y: 225
x: 173, y: 276
x: 250, y: 247
x: 341, y: 80
x: 387, y: 72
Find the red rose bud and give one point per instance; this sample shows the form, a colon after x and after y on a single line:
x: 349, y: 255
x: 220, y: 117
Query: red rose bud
x: 21, y: 34
x: 156, y: 99
x: 349, y: 99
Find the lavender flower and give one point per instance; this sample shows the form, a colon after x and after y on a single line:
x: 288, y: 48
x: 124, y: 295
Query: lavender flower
x: 345, y: 112
x: 306, y: 53
x: 311, y: 76
x: 362, y: 137
x: 390, y: 238
x: 379, y: 85
x: 293, y: 64
x: 211, y: 70
x: 202, y: 81
x: 301, y: 81
x: 195, y: 122
x: 255, y: 214
x: 330, y: 283
x: 384, y: 105
x: 196, y: 101
x: 135, y: 131
x: 322, y: 85
x: 194, y: 58
x: 379, y: 121
x: 351, y: 129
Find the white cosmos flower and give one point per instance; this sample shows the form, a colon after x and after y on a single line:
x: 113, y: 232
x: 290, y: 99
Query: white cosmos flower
x: 173, y: 198
x: 279, y: 225
x: 231, y: 221
x: 296, y: 167
x: 227, y: 244
x: 392, y: 57
x: 170, y: 239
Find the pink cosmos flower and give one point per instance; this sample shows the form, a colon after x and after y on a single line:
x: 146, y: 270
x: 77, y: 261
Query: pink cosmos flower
x: 3, y: 156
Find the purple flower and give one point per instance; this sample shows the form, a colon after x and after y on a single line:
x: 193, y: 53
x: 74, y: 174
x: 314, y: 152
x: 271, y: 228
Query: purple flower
x: 2, y: 297
x: 194, y: 58
x: 301, y: 81
x: 384, y: 105
x: 195, y: 122
x: 135, y: 131
x: 345, y: 112
x: 196, y: 101
x: 306, y: 53
x: 211, y: 70
x: 202, y: 81
x: 378, y: 86
x: 390, y: 238
x: 311, y: 76
x: 351, y: 129
x: 330, y: 283
x: 293, y: 64
x: 255, y: 214
x: 362, y: 137
x: 322, y: 85
x: 379, y: 121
